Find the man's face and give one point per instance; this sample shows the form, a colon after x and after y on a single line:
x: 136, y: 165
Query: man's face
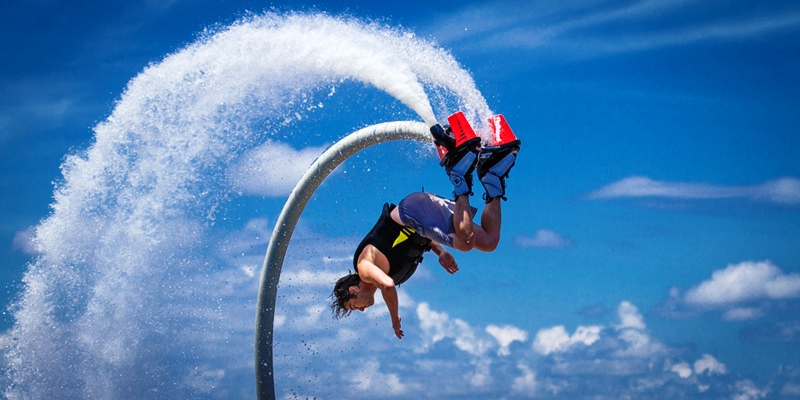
x: 362, y: 300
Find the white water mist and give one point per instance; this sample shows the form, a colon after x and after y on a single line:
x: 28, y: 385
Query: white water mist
x: 124, y: 296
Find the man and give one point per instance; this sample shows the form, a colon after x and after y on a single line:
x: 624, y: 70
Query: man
x: 391, y: 251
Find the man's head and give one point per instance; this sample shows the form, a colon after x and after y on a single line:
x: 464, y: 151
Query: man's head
x: 349, y: 295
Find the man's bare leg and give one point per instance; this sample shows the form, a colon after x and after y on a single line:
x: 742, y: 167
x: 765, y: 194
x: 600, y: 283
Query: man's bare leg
x: 469, y: 235
x: 487, y: 236
x: 462, y: 222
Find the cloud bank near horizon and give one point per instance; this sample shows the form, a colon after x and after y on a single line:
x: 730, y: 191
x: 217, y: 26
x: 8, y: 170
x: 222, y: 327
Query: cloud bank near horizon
x: 456, y: 357
x: 444, y: 356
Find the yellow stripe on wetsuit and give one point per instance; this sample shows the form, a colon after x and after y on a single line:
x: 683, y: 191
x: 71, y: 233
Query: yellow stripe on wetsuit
x: 405, y: 233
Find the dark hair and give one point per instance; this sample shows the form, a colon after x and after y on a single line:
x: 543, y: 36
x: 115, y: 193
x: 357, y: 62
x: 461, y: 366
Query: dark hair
x: 341, y: 293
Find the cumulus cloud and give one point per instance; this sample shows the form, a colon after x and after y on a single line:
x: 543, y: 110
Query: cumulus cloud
x: 272, y: 169
x: 438, y: 326
x: 369, y: 379
x: 506, y: 335
x: 709, y: 364
x: 558, y: 340
x: 743, y: 282
x: 525, y: 383
x: 543, y: 238
x: 682, y: 369
x: 629, y: 316
x: 747, y: 390
x: 743, y: 291
x: 784, y: 191
x: 632, y: 332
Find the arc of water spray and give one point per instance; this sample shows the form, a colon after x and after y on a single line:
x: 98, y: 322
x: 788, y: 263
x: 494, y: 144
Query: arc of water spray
x: 284, y: 227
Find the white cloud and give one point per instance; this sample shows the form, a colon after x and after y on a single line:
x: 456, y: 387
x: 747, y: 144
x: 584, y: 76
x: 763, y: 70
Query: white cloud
x: 543, y: 238
x: 586, y: 335
x: 638, y: 344
x: 506, y: 335
x: 370, y: 380
x: 781, y: 191
x: 745, y: 291
x: 682, y: 369
x: 272, y: 169
x: 709, y: 364
x: 629, y: 316
x: 525, y: 384
x: 747, y: 390
x: 743, y: 314
x: 551, y: 340
x: 557, y: 340
x: 438, y: 326
x: 631, y: 331
x: 482, y: 375
x: 744, y: 282
x: 631, y: 341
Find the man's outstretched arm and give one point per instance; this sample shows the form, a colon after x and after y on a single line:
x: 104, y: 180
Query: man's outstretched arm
x: 445, y: 258
x: 370, y: 273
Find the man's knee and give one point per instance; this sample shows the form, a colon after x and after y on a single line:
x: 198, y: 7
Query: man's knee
x: 462, y: 243
x: 462, y: 246
x: 488, y: 243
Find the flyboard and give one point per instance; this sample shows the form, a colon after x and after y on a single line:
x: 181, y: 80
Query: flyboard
x: 459, y: 134
x: 461, y: 151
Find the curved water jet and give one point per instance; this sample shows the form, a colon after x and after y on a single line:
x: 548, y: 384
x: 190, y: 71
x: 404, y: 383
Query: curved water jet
x: 284, y: 227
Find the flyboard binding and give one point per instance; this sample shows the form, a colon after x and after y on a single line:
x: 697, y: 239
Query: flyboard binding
x: 460, y: 151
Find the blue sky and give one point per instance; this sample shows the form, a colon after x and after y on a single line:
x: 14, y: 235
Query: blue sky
x: 650, y: 237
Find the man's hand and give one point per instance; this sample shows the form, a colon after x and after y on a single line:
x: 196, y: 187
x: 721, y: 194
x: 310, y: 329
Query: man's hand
x: 396, y: 326
x: 448, y: 262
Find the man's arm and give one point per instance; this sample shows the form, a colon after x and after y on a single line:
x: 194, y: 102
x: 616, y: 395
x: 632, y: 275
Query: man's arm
x: 445, y: 258
x: 370, y: 273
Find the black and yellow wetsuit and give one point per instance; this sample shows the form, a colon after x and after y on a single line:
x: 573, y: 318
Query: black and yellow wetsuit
x: 401, y: 245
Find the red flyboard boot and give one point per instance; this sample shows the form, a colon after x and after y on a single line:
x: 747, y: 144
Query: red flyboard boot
x: 462, y: 131
x: 458, y: 148
x: 497, y: 159
x: 458, y: 135
x: 502, y: 135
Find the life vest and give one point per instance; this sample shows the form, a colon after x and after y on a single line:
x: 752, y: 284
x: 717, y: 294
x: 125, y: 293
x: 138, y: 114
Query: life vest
x: 401, y: 245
